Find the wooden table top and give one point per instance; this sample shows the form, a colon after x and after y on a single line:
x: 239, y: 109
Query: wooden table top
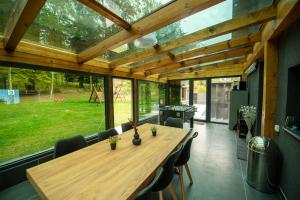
x: 97, y: 172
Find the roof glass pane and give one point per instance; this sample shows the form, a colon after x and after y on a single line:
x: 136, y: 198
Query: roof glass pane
x: 6, y: 8
x: 69, y: 25
x: 214, y: 15
x: 133, y: 10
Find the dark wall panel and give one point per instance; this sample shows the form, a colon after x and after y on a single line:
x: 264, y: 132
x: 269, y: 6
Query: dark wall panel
x: 255, y: 89
x: 289, y: 56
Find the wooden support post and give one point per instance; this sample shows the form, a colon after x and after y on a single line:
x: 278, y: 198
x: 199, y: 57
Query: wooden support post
x: 109, y: 102
x: 269, y: 88
x: 135, y: 100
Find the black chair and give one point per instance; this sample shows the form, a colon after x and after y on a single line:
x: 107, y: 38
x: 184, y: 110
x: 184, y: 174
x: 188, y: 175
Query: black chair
x: 145, y: 193
x: 183, y: 161
x: 68, y: 145
x: 106, y: 134
x: 174, y: 122
x: 126, y: 126
x: 165, y: 180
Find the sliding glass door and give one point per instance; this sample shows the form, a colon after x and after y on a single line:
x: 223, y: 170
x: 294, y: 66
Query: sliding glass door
x: 220, y: 90
x: 199, y: 98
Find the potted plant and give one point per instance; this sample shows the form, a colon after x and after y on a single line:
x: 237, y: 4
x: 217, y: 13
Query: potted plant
x: 249, y: 115
x: 154, y: 130
x: 113, y: 140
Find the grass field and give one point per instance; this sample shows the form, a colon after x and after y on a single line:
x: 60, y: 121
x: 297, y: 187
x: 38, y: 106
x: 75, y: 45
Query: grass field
x: 32, y: 126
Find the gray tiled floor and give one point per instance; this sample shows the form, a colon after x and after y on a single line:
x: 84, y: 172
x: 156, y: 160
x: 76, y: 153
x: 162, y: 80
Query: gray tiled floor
x: 216, y: 171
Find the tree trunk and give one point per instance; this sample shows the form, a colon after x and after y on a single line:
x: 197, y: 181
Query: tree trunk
x: 52, y: 85
x: 10, y: 79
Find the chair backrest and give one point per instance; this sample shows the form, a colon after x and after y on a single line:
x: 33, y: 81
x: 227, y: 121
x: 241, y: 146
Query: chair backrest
x: 186, y: 151
x: 168, y: 171
x: 126, y: 126
x: 174, y: 122
x: 68, y: 145
x: 146, y: 192
x: 106, y: 134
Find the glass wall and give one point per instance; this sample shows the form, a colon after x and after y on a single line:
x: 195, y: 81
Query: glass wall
x: 220, y: 89
x: 40, y: 107
x: 199, y: 99
x: 148, y: 99
x: 122, y: 89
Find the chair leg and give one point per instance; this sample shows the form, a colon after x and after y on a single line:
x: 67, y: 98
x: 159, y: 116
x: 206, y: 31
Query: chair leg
x: 172, y: 191
x: 189, y: 173
x: 160, y: 194
x: 181, y: 182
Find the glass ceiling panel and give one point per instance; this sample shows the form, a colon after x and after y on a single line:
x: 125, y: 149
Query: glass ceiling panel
x: 69, y: 25
x: 6, y: 8
x: 214, y: 15
x: 133, y: 10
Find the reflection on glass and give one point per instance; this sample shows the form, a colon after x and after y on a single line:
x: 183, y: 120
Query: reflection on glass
x: 148, y: 99
x: 69, y: 25
x: 6, y: 7
x: 184, y: 92
x: 199, y: 100
x: 122, y: 89
x: 174, y: 92
x: 132, y: 10
x: 51, y: 106
x: 220, y: 88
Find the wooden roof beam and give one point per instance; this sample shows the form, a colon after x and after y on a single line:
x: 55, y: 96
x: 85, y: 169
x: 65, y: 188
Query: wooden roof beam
x: 287, y: 14
x: 235, y: 71
x: 19, y: 21
x: 204, y: 59
x: 221, y: 46
x: 166, y: 15
x: 214, y: 66
x: 237, y: 23
x: 99, y: 8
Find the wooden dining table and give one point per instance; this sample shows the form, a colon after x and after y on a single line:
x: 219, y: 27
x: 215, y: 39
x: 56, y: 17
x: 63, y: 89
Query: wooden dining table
x: 97, y: 172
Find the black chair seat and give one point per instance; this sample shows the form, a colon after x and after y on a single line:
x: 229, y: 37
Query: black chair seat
x: 145, y: 193
x: 174, y: 122
x: 68, y: 145
x: 106, y: 134
x: 168, y: 171
x: 186, y: 151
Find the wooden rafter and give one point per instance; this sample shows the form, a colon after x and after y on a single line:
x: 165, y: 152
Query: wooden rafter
x: 233, y: 43
x: 234, y: 71
x: 287, y: 14
x: 240, y: 22
x: 228, y: 63
x: 36, y: 55
x: 204, y: 59
x: 167, y: 15
x: 20, y: 20
x: 106, y: 13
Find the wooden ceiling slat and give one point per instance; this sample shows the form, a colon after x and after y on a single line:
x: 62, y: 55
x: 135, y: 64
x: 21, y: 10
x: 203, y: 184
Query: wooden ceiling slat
x: 106, y: 13
x: 20, y: 20
x: 243, y: 40
x: 240, y: 22
x: 287, y: 14
x: 204, y: 59
x: 166, y: 15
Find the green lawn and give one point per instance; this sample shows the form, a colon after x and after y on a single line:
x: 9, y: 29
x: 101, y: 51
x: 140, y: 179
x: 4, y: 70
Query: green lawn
x: 30, y: 127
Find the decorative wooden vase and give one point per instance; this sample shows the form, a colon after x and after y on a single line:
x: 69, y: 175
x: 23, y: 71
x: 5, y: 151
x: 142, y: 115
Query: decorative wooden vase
x: 136, y: 137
